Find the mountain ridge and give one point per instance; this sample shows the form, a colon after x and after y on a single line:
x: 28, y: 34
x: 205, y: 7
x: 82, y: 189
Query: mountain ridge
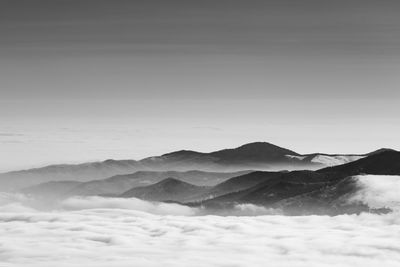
x: 298, y: 192
x: 169, y: 189
x: 251, y: 156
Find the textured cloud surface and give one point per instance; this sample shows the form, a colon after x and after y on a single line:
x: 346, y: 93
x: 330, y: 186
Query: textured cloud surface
x: 379, y: 191
x: 112, y: 232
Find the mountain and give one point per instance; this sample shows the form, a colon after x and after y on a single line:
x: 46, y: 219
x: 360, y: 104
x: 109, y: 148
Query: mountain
x: 332, y: 199
x: 331, y: 160
x: 51, y: 189
x: 259, y: 152
x: 234, y: 184
x: 169, y: 189
x: 81, y: 172
x: 270, y: 188
x: 258, y: 156
x: 253, y: 156
x: 384, y: 163
x: 338, y: 159
x: 378, y: 151
x: 310, y: 192
x: 118, y: 184
x: 288, y: 185
x: 273, y: 187
x: 324, y: 191
x: 237, y: 184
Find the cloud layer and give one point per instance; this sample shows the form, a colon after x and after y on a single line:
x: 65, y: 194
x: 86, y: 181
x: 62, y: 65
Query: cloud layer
x: 115, y: 237
x: 379, y: 191
x: 113, y: 232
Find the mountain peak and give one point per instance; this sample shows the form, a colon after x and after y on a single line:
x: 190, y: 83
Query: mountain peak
x: 257, y: 145
x: 184, y: 153
x: 257, y: 151
x: 381, y: 150
x: 169, y: 189
x: 264, y: 147
x: 384, y: 163
x: 170, y: 181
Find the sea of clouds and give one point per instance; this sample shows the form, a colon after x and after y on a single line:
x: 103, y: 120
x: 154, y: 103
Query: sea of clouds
x: 95, y: 231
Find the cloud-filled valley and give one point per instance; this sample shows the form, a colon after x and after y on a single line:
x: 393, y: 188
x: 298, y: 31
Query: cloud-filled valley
x: 341, y: 215
x: 98, y: 231
x: 118, y: 237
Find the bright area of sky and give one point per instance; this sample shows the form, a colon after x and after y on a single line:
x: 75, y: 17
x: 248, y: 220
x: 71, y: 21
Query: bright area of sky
x: 91, y: 80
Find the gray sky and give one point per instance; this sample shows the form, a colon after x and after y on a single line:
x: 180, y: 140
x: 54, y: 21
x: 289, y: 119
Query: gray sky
x: 135, y: 78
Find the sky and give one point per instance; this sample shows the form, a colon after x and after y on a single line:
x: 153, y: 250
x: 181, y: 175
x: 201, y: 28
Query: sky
x: 96, y: 79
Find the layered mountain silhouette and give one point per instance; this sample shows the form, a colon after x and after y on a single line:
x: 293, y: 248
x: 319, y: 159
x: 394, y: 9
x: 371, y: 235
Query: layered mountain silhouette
x: 321, y: 191
x: 169, y: 189
x: 258, y: 155
x: 253, y: 156
x: 116, y: 185
x: 297, y: 192
x: 65, y: 172
x: 386, y: 163
x: 171, y: 186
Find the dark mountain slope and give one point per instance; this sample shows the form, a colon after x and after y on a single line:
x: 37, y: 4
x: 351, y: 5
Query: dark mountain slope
x: 331, y: 199
x: 254, y: 156
x: 273, y: 187
x: 239, y: 183
x: 337, y: 159
x: 314, y: 192
x: 118, y: 184
x: 384, y: 163
x: 380, y: 151
x: 288, y: 185
x: 169, y: 189
x: 258, y: 155
x: 253, y: 152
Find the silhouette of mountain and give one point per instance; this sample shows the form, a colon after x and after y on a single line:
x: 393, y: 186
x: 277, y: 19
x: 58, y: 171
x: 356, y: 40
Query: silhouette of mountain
x: 118, y: 184
x: 273, y: 187
x: 253, y: 152
x: 253, y: 156
x: 314, y: 192
x: 169, y: 189
x: 66, y: 172
x: 258, y: 155
x: 324, y: 191
x: 385, y: 163
x: 239, y: 183
x: 380, y: 151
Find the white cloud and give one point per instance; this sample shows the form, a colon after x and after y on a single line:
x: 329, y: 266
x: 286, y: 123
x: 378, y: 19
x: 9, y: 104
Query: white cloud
x: 116, y: 237
x: 101, y: 232
x: 6, y: 198
x: 379, y: 191
x: 80, y: 203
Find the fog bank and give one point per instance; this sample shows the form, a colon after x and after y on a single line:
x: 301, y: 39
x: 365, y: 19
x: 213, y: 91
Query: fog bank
x: 95, y: 231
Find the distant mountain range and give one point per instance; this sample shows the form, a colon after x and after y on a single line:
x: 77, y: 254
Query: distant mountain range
x: 118, y: 184
x: 253, y: 156
x: 169, y: 189
x: 322, y: 191
x: 297, y: 192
